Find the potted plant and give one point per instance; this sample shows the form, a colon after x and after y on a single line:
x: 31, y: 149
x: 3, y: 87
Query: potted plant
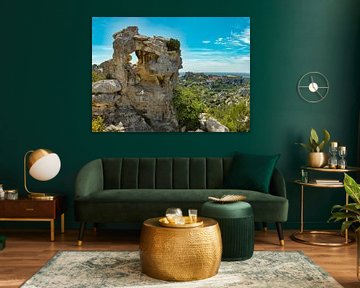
x: 350, y: 214
x: 316, y: 157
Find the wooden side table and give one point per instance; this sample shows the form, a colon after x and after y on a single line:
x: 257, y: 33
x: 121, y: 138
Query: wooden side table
x: 27, y: 209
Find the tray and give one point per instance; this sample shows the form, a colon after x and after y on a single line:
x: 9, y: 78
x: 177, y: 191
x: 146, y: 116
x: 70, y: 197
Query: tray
x: 164, y: 222
x: 228, y: 198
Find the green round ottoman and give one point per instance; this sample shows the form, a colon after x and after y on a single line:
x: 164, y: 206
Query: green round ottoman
x: 236, y: 223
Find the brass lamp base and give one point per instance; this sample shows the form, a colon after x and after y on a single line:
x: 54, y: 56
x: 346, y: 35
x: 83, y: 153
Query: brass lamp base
x: 41, y: 196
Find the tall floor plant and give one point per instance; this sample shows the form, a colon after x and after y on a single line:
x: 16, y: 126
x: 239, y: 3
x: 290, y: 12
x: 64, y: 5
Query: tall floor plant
x: 350, y: 214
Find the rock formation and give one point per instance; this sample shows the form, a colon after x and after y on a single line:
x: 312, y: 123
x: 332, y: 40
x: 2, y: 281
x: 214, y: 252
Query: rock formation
x: 106, y: 87
x: 138, y: 97
x: 210, y: 124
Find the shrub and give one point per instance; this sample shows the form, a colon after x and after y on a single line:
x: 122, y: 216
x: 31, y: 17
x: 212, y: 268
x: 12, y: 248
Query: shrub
x: 173, y: 45
x: 97, y: 76
x: 188, y: 106
x: 236, y: 117
x: 97, y: 124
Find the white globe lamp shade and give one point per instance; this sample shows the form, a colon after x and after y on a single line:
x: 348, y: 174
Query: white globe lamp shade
x: 44, y: 164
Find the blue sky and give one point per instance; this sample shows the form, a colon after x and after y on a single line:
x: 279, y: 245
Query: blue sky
x: 208, y: 44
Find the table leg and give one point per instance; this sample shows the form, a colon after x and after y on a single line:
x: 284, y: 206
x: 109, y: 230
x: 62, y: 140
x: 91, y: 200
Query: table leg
x: 63, y: 223
x: 302, y: 209
x: 52, y: 230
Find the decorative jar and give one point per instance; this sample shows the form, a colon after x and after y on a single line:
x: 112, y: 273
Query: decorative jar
x: 11, y: 194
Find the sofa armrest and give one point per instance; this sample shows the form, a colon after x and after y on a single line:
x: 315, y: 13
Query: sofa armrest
x: 89, y: 179
x: 277, y: 184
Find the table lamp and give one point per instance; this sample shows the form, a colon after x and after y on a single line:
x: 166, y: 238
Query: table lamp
x: 43, y: 165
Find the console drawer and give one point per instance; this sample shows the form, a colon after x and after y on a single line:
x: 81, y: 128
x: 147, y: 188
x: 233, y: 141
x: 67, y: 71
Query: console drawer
x: 27, y: 209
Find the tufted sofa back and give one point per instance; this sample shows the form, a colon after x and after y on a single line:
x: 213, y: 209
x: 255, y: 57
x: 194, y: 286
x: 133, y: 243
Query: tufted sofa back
x: 164, y: 173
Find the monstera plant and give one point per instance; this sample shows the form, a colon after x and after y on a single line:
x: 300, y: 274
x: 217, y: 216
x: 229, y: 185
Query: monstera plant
x: 317, y: 157
x: 349, y: 214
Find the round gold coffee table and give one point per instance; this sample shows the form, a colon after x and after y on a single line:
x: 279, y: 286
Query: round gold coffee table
x: 180, y: 254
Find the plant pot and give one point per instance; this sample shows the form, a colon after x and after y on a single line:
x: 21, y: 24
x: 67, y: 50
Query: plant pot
x: 317, y: 159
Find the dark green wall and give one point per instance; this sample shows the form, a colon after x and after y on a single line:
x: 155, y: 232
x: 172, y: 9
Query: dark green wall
x: 46, y: 87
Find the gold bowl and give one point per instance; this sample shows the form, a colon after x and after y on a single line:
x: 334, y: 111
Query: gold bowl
x: 188, y: 224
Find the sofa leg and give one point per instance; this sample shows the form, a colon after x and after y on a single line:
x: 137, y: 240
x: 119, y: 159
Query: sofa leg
x: 265, y: 227
x: 280, y: 233
x: 95, y: 227
x: 81, y: 233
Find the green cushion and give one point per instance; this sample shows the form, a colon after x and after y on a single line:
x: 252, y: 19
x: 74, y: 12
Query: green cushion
x: 174, y: 195
x: 251, y: 172
x: 229, y: 210
x: 266, y: 207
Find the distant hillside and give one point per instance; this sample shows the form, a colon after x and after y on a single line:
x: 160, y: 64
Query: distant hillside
x: 225, y: 97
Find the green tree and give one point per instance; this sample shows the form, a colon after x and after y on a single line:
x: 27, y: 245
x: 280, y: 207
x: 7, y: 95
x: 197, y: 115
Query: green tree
x: 188, y: 106
x: 173, y: 45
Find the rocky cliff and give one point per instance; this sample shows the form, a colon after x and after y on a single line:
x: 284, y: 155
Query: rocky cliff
x: 138, y: 97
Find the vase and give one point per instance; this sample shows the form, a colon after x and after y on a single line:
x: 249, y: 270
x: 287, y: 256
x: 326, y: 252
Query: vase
x: 317, y: 159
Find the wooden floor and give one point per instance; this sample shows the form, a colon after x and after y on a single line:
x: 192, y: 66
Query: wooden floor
x: 28, y: 250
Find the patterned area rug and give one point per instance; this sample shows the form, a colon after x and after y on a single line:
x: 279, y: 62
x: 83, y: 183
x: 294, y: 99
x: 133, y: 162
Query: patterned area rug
x: 122, y: 269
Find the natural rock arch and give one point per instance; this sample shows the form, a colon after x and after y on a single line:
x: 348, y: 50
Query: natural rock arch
x: 147, y: 86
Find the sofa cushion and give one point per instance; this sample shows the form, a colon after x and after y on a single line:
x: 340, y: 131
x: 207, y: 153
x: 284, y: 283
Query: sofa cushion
x: 266, y: 206
x: 251, y: 172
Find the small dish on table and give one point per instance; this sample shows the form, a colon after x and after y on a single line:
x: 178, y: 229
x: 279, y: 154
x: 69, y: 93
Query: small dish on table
x: 228, y: 198
x: 188, y: 224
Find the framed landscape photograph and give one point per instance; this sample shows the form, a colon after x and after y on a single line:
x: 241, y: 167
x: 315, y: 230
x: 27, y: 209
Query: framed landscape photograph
x: 170, y: 74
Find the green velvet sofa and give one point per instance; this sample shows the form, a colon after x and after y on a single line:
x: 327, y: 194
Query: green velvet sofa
x: 130, y: 190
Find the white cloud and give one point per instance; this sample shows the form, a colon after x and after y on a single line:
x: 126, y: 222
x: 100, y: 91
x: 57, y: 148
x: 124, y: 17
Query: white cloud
x: 206, y: 41
x: 219, y: 41
x: 194, y: 65
x: 241, y: 39
x: 207, y: 60
x: 244, y: 36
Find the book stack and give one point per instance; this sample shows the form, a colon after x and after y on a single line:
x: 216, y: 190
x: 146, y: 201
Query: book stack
x: 327, y: 181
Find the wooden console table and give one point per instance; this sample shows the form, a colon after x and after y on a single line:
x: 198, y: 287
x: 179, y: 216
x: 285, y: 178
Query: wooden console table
x: 27, y: 209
